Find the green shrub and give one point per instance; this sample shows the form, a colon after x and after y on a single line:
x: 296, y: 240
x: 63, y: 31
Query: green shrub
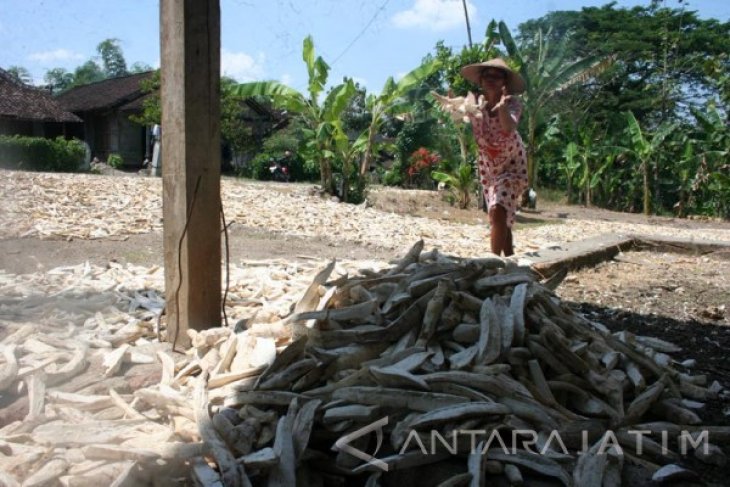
x: 358, y: 191
x: 301, y: 165
x: 394, y: 175
x: 310, y: 170
x: 258, y: 167
x: 40, y: 154
x: 115, y: 161
x: 299, y: 169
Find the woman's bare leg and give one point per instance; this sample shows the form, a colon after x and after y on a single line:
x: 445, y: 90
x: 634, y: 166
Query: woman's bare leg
x: 508, y: 249
x: 499, y: 232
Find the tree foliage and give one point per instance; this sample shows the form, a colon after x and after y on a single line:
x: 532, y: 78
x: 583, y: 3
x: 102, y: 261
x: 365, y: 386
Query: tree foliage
x: 151, y: 106
x: 325, y: 132
x: 460, y: 181
x: 236, y: 134
x: 393, y: 99
x: 668, y: 67
x: 58, y: 79
x: 547, y: 70
x: 112, y: 58
x: 21, y: 74
x: 87, y: 73
x: 667, y: 60
x: 625, y: 108
x: 113, y: 64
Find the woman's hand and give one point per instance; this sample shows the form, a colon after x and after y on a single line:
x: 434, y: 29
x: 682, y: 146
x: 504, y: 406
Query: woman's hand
x: 503, y: 101
x: 506, y: 119
x: 460, y: 108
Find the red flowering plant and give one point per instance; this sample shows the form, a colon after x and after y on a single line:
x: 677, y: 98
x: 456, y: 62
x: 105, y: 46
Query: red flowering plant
x: 420, y: 165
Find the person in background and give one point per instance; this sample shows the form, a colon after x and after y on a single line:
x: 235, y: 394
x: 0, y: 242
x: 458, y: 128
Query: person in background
x: 502, y: 162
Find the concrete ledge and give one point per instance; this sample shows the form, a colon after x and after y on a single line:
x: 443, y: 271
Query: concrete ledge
x: 594, y: 250
x: 665, y: 244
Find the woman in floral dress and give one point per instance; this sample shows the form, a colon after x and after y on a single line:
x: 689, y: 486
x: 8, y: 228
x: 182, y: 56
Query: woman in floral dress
x: 502, y: 162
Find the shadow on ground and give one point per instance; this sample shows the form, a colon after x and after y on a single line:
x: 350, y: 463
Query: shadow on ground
x: 704, y: 342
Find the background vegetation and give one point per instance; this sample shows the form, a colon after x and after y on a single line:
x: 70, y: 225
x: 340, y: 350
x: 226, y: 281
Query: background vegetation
x: 624, y: 109
x: 39, y: 154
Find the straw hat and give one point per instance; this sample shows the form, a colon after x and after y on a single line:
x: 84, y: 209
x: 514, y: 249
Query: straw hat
x: 515, y: 83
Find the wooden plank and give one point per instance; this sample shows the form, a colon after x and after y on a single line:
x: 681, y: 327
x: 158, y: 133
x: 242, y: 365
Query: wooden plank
x: 190, y: 90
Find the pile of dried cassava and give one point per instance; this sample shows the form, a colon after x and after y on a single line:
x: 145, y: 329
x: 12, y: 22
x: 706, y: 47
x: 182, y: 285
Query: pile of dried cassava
x: 78, y: 348
x: 435, y: 347
x: 447, y: 371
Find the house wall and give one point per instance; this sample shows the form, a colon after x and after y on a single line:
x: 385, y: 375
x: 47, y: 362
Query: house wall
x: 113, y: 133
x: 93, y: 135
x: 15, y: 127
x: 130, y: 140
x: 49, y: 130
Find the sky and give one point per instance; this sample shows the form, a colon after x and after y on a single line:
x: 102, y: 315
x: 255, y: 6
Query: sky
x: 368, y: 40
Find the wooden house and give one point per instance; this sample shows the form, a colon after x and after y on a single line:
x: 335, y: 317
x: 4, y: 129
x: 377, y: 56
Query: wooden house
x: 30, y: 111
x: 105, y: 108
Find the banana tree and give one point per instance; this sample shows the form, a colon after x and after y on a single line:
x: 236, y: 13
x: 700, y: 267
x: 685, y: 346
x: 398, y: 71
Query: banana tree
x: 570, y: 165
x: 347, y: 153
x: 460, y: 182
x: 592, y: 176
x: 318, y: 117
x: 546, y: 72
x: 645, y: 150
x: 705, y: 175
x: 391, y: 100
x: 713, y: 136
x: 720, y: 186
x: 687, y: 169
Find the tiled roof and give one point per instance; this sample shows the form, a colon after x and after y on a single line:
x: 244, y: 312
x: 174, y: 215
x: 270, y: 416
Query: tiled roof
x: 107, y: 93
x: 22, y: 102
x: 137, y: 104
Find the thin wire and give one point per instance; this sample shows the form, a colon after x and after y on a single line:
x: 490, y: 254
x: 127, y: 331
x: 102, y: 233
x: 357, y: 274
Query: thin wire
x: 364, y: 29
x: 228, y: 268
x: 179, y: 265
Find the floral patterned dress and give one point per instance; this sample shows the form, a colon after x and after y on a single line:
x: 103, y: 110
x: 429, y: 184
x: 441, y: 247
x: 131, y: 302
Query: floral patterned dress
x: 502, y: 161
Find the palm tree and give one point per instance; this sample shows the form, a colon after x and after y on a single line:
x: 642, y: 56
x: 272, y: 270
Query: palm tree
x: 546, y: 73
x: 320, y: 118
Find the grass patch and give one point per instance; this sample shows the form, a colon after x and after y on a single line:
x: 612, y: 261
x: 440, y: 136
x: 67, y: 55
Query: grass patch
x: 551, y: 195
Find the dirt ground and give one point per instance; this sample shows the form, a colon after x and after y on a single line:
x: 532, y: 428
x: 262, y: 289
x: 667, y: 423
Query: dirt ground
x: 681, y: 298
x: 431, y: 204
x: 24, y: 255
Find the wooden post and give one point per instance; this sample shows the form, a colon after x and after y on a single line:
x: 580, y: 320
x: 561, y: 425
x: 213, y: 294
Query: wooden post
x: 190, y: 90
